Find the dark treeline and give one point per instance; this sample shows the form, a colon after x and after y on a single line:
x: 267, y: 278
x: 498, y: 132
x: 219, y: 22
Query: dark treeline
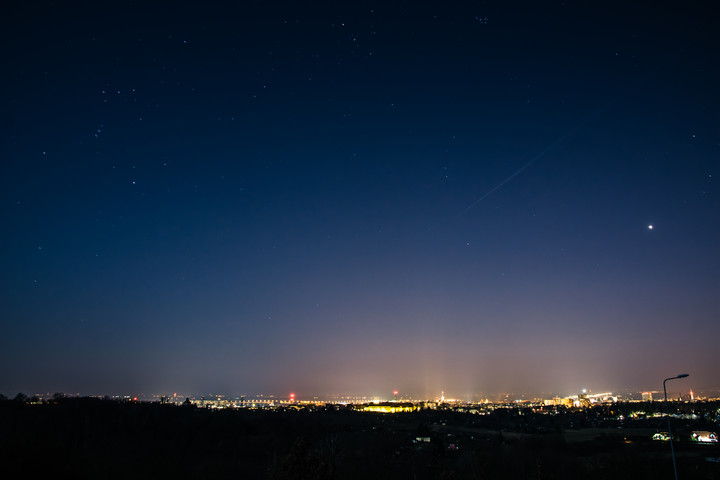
x: 94, y: 438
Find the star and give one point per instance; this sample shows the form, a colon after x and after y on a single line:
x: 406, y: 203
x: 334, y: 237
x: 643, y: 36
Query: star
x: 650, y: 227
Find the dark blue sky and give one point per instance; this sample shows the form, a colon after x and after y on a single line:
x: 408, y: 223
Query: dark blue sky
x: 327, y: 197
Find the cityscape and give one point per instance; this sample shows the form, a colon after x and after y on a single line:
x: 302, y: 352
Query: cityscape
x: 359, y: 240
x: 585, y: 398
x: 594, y: 434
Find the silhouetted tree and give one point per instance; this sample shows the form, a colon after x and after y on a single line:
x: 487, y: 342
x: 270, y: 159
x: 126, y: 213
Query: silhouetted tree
x: 422, y: 430
x: 20, y: 397
x: 447, y: 474
x: 302, y: 464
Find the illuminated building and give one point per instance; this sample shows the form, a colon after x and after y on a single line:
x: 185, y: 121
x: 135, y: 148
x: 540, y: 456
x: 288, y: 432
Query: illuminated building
x: 567, y: 401
x: 582, y: 400
x: 704, y: 436
x: 389, y: 407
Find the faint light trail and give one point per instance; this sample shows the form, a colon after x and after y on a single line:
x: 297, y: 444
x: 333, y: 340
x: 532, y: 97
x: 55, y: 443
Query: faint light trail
x: 547, y: 149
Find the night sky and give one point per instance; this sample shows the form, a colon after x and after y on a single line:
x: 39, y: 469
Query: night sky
x: 350, y: 198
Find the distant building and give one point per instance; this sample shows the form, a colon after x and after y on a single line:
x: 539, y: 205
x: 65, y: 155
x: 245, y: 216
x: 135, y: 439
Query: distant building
x: 582, y: 400
x: 388, y: 407
x: 703, y: 436
x: 568, y: 401
x: 606, y: 397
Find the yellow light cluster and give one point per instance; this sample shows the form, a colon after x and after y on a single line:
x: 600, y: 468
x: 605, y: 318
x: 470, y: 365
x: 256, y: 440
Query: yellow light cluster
x: 389, y: 408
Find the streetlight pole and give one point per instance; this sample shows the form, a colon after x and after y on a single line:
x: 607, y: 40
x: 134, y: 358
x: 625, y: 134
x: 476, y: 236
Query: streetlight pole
x: 672, y: 448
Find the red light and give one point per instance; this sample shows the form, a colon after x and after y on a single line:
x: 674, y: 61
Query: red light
x: 135, y: 399
x: 395, y: 392
x: 292, y: 395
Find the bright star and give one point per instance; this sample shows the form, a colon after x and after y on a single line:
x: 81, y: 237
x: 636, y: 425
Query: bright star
x: 650, y: 227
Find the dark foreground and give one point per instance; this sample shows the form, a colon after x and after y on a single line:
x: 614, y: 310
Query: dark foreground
x: 92, y: 438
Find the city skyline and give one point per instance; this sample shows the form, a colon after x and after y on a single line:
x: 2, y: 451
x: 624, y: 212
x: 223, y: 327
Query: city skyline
x: 678, y: 394
x: 627, y: 394
x: 359, y: 198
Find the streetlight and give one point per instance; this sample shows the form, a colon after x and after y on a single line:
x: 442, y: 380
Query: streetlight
x: 672, y: 448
